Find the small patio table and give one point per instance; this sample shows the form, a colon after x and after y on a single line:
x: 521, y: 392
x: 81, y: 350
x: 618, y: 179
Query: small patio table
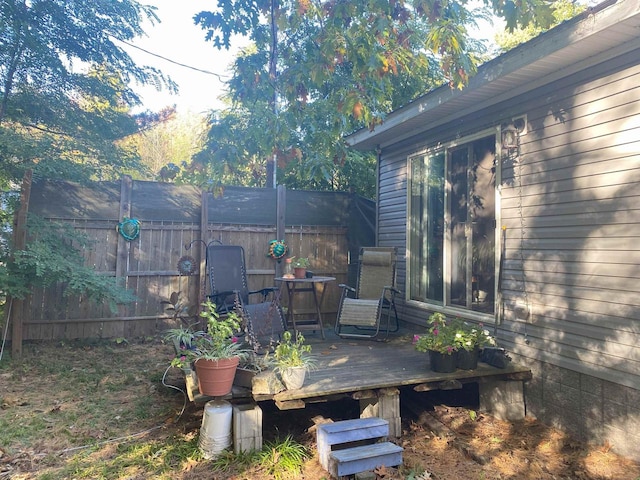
x: 301, y: 285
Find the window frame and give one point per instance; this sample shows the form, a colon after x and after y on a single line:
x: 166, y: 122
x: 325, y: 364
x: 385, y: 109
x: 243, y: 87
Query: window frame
x: 443, y: 148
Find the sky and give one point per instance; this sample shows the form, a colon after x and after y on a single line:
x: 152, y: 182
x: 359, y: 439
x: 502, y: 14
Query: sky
x: 179, y: 40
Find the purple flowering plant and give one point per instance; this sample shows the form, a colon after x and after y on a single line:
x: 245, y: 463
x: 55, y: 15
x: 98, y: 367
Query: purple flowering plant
x: 448, y: 336
x: 441, y: 336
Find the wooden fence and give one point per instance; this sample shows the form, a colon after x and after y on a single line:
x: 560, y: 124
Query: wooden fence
x: 328, y: 227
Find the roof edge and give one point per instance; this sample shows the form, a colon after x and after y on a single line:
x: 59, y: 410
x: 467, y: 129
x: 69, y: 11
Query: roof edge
x: 590, y: 22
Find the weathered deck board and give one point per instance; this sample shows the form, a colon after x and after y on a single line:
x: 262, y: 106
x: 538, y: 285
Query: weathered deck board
x: 364, y: 369
x: 350, y: 366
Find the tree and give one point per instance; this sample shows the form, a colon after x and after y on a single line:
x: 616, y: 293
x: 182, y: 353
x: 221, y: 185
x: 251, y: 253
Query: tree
x: 64, y: 98
x: 167, y: 143
x: 321, y: 69
x: 562, y: 10
x: 64, y: 104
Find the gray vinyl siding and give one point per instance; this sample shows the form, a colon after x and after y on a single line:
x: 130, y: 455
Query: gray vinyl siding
x: 571, y: 206
x: 580, y: 226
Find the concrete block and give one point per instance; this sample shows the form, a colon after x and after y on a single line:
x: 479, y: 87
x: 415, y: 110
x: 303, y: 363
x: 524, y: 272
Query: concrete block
x: 633, y: 397
x: 386, y: 406
x: 570, y: 378
x: 551, y: 373
x: 503, y: 399
x: 591, y: 406
x: 591, y: 385
x: 570, y: 397
x: 247, y: 428
x: 615, y: 392
x: 622, y: 443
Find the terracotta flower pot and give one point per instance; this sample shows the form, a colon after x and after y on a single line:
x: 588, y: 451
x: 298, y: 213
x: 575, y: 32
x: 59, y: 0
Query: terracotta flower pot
x: 442, y: 362
x: 300, y: 272
x: 215, y: 377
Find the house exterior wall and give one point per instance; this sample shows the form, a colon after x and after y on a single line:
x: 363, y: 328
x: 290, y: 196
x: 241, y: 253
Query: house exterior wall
x: 570, y: 202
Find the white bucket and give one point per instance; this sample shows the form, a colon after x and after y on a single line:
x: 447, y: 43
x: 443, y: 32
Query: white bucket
x: 215, y: 433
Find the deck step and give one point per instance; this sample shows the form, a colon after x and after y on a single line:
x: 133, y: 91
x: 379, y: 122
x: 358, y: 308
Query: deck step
x: 357, y: 445
x: 366, y: 457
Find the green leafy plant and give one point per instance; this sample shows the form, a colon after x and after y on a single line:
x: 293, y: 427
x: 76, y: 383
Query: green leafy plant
x: 54, y: 254
x: 283, y: 458
x: 469, y: 336
x: 440, y: 338
x: 300, y: 262
x: 178, y: 308
x: 183, y: 337
x: 289, y: 353
x: 220, y: 341
x: 254, y: 362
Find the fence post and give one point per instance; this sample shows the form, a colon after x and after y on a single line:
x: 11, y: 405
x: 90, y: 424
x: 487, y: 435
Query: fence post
x: 281, y: 207
x: 204, y: 230
x: 122, y: 254
x: 20, y: 243
x: 122, y: 247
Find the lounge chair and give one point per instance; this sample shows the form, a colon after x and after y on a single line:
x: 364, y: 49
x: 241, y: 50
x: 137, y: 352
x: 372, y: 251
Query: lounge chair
x: 262, y: 318
x: 361, y: 309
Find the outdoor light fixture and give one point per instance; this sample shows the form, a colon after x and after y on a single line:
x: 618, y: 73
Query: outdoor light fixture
x: 510, y: 137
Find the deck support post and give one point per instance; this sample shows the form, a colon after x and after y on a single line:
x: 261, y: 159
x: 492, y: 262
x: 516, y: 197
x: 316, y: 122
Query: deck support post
x: 503, y: 399
x: 385, y: 405
x: 247, y: 428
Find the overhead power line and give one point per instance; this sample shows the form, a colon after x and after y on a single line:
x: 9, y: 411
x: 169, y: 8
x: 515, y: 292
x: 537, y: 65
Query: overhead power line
x: 220, y: 77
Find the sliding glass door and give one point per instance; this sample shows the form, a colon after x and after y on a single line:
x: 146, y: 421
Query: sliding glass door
x: 452, y: 226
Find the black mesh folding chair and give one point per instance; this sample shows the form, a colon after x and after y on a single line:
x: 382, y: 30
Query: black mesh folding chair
x: 229, y: 290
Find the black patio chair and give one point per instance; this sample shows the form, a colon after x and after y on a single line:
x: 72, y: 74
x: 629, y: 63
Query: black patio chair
x: 229, y: 290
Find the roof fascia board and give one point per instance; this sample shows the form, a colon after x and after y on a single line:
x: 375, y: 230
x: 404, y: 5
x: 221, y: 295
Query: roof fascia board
x: 437, y: 120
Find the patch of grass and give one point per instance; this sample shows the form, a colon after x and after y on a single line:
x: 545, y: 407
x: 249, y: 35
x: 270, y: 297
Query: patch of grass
x: 144, y: 408
x: 137, y: 459
x: 283, y: 458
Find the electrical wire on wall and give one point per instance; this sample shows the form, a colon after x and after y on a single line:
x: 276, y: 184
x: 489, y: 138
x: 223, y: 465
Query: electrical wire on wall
x: 519, y: 161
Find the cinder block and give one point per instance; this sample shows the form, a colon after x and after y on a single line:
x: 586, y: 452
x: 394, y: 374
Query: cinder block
x: 385, y: 406
x: 247, y: 428
x: 503, y: 399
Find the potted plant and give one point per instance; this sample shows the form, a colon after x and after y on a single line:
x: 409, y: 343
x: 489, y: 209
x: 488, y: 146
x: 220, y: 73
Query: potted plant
x: 214, y: 353
x: 179, y: 309
x: 250, y: 365
x: 183, y: 340
x: 292, y: 360
x: 469, y: 339
x: 440, y: 343
x: 300, y: 265
x: 183, y: 335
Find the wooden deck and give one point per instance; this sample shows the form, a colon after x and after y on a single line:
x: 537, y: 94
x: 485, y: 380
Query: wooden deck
x: 356, y: 368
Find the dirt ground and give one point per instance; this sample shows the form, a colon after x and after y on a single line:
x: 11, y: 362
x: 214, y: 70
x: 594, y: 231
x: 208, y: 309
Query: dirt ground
x: 65, y: 397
